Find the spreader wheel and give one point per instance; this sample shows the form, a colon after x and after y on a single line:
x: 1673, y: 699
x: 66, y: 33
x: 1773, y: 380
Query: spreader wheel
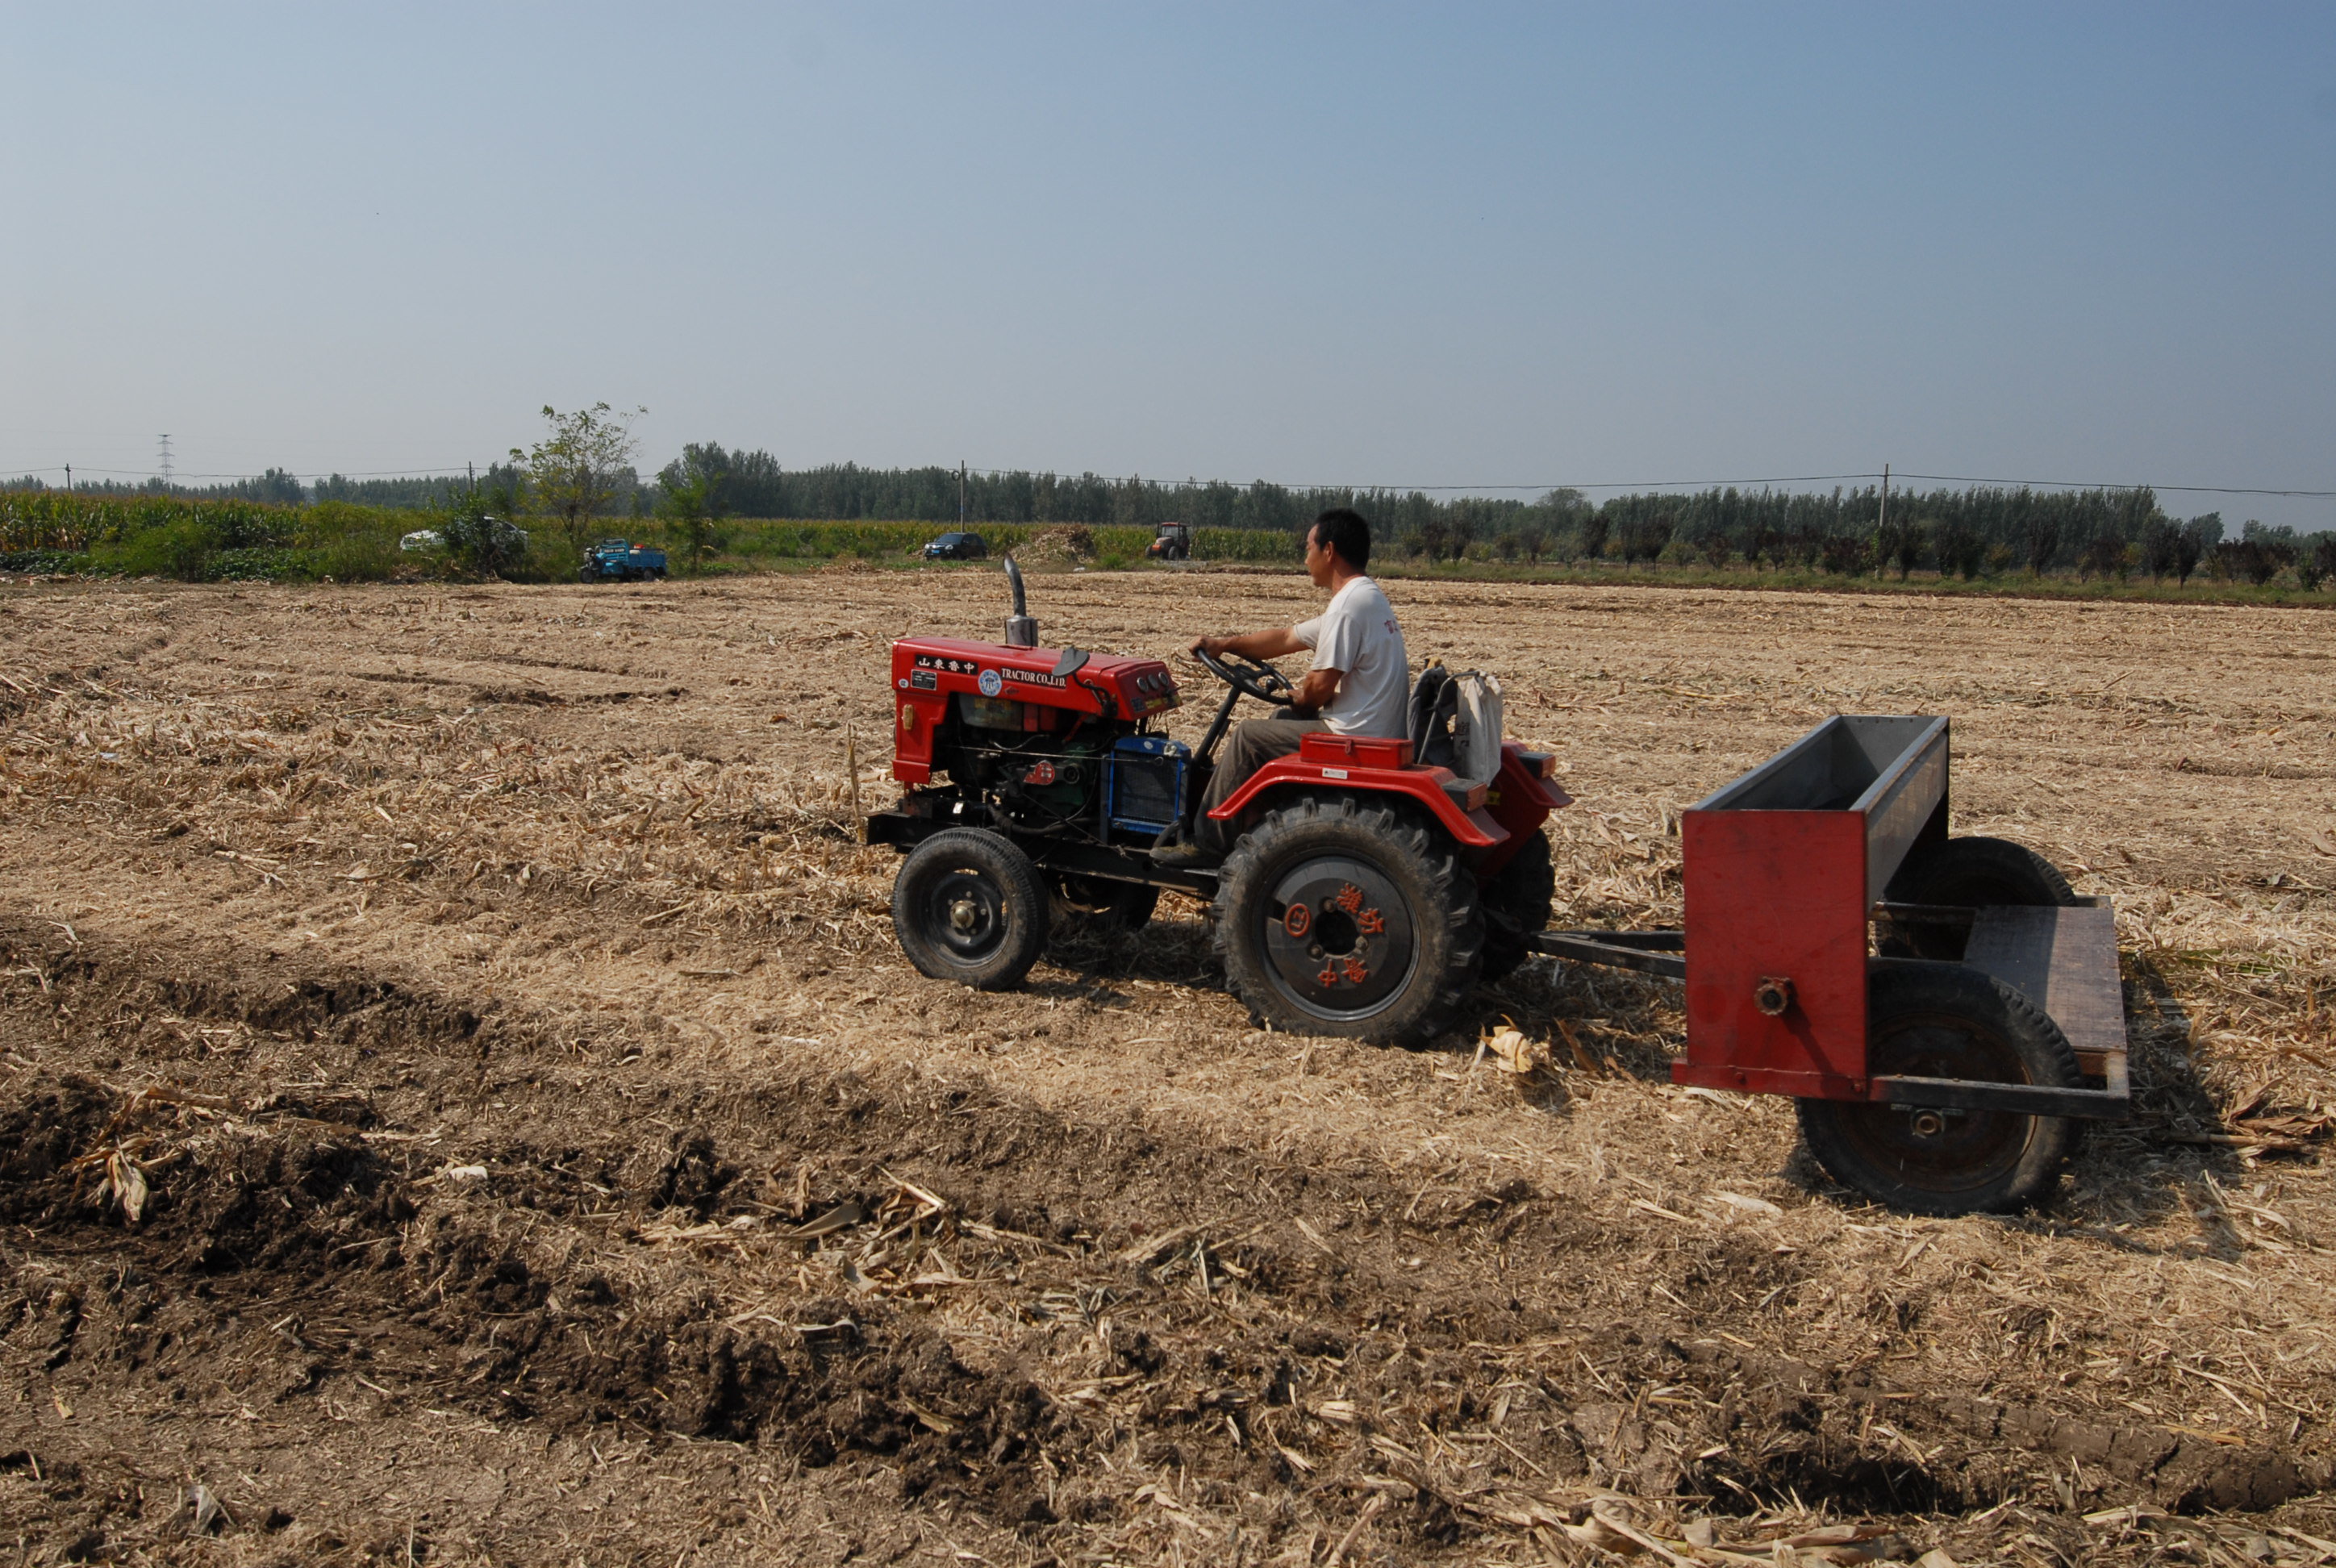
x: 1969, y: 873
x: 1937, y: 1020
x: 967, y: 906
x: 1101, y: 904
x: 1336, y: 916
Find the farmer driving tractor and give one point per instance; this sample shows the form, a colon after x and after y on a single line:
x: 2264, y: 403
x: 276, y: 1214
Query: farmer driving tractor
x: 1359, y: 684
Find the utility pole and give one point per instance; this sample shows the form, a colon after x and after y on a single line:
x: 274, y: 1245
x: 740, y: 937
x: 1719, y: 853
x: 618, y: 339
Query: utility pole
x: 68, y: 477
x: 1884, y: 522
x: 960, y: 494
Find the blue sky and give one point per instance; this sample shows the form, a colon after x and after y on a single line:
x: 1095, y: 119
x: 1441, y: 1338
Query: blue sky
x: 1408, y: 245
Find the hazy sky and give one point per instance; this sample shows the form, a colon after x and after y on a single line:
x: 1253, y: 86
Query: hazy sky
x: 1426, y: 245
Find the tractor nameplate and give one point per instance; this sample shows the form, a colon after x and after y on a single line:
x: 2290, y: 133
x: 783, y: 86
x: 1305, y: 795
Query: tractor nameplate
x: 1028, y: 677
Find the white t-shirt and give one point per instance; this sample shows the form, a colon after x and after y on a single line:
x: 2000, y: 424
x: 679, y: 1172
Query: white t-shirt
x: 1357, y: 635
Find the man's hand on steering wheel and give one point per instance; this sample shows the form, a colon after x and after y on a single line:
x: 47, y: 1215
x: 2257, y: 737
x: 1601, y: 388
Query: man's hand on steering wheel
x: 1248, y: 676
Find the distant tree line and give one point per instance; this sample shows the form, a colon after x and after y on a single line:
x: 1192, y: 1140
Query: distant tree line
x: 1966, y: 533
x: 276, y: 487
x: 427, y: 493
x: 1983, y: 531
x: 279, y: 487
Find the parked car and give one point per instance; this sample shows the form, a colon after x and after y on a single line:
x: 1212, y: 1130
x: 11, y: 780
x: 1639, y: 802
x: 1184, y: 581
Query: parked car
x: 956, y: 547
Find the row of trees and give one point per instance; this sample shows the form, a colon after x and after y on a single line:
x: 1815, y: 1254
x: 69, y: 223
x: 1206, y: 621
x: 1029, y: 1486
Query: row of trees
x: 279, y: 487
x: 1966, y: 533
x: 582, y: 472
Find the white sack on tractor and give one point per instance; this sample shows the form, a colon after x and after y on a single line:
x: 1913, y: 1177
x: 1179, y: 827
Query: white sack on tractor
x: 1456, y: 723
x: 1477, y: 728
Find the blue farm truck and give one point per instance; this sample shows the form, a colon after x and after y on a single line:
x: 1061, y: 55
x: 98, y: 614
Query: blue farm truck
x: 620, y: 560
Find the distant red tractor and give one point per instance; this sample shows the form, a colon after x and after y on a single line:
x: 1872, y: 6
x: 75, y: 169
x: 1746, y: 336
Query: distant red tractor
x: 1368, y: 890
x: 1171, y: 541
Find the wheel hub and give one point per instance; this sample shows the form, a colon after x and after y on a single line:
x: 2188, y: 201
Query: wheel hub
x: 1924, y: 1147
x: 972, y: 914
x: 1338, y: 936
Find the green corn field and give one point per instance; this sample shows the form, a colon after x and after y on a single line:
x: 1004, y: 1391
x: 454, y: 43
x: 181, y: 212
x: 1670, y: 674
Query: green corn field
x: 205, y: 541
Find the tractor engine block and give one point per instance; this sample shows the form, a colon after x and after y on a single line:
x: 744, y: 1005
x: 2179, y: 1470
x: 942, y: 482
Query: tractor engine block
x: 1044, y: 740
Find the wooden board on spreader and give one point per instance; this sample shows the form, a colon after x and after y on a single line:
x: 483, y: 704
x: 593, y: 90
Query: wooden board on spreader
x: 2064, y: 959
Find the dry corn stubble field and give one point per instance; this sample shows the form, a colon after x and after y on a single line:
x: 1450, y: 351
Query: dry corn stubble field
x: 460, y: 1102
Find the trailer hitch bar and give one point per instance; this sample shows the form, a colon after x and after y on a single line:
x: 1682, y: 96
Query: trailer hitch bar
x: 1649, y: 952
x: 2022, y: 1099
x: 1663, y: 952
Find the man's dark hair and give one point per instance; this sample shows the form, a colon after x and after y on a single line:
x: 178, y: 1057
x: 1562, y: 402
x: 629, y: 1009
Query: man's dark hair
x: 1349, y: 532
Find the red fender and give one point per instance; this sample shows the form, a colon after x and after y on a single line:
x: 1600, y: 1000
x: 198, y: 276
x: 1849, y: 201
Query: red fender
x: 1521, y: 801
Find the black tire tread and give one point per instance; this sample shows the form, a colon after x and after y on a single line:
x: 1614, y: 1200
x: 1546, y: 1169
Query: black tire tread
x: 1956, y: 870
x: 2054, y: 1066
x: 1392, y: 836
x: 1517, y: 901
x: 1968, y: 872
x: 1024, y: 890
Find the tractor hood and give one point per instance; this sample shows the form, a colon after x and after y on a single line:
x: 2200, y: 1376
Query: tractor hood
x: 928, y: 670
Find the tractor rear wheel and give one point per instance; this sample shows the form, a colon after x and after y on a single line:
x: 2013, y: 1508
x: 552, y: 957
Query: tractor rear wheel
x: 1101, y: 904
x: 1517, y: 899
x: 1969, y: 873
x: 1935, y: 1020
x: 967, y: 906
x: 1343, y: 916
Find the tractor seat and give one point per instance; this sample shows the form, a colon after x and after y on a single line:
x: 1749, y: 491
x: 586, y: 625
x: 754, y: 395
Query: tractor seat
x: 1456, y: 723
x: 1433, y: 704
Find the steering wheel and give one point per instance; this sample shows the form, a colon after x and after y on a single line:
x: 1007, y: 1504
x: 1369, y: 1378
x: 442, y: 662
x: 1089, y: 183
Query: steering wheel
x: 1248, y: 676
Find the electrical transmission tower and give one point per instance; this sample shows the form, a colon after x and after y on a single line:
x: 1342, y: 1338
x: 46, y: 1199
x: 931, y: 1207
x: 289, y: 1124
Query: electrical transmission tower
x: 165, y: 461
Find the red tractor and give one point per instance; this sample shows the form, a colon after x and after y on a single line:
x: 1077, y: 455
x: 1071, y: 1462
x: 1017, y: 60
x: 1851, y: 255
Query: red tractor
x: 1941, y: 1007
x: 1372, y: 883
x: 1173, y: 542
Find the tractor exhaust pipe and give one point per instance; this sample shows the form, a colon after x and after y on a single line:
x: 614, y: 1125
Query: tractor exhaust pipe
x: 1021, y: 631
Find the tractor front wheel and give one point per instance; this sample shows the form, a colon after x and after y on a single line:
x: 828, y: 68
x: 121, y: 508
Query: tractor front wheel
x: 1936, y: 1021
x: 969, y: 906
x: 1342, y: 916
